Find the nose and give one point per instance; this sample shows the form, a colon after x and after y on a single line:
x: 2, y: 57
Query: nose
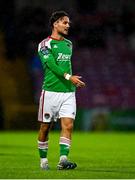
x: 68, y: 25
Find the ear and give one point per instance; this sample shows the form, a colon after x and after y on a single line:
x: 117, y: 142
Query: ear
x: 55, y: 24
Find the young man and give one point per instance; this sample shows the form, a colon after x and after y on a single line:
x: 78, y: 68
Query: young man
x: 57, y: 99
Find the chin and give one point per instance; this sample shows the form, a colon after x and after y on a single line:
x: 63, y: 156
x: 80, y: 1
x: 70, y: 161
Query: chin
x: 64, y: 33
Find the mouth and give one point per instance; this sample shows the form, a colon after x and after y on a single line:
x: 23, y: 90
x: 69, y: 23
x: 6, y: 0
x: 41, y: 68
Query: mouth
x: 66, y: 30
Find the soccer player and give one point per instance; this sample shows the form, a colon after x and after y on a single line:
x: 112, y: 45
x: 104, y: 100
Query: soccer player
x: 57, y: 99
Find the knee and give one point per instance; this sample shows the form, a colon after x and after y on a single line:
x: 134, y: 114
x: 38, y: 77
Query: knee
x: 68, y: 127
x: 44, y: 128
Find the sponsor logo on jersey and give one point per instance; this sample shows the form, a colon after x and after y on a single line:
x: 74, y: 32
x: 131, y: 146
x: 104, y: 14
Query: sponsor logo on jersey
x: 63, y: 57
x: 44, y: 50
x: 46, y: 56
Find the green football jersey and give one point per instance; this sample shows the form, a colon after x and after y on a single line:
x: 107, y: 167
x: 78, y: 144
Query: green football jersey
x: 55, y: 56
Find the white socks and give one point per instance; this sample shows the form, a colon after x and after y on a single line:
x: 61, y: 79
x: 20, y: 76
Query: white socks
x: 63, y: 158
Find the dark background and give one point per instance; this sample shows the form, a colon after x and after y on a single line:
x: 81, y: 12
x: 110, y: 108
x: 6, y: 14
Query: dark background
x: 103, y: 36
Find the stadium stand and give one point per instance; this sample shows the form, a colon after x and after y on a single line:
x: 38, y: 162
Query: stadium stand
x: 104, y: 52
x: 15, y: 92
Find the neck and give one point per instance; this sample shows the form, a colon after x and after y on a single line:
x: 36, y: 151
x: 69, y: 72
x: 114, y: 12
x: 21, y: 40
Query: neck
x: 57, y: 36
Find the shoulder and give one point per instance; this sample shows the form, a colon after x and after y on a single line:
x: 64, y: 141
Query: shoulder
x: 45, y: 43
x: 67, y: 40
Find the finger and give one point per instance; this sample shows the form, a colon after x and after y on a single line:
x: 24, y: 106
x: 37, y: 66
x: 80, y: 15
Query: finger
x: 80, y: 84
x: 79, y: 81
x: 79, y: 77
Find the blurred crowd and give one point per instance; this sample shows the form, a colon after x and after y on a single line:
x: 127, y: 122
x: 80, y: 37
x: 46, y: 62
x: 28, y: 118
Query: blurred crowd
x: 103, y: 36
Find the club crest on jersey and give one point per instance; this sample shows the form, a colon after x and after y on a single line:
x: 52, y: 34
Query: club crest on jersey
x: 63, y: 57
x: 47, y: 115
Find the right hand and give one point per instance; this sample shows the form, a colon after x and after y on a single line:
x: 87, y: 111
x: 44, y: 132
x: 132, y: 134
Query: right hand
x: 76, y: 81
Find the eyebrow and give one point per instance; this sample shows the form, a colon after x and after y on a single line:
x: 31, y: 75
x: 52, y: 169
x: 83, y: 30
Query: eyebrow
x: 70, y: 22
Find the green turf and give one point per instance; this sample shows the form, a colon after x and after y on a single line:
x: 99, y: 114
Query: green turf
x: 98, y: 155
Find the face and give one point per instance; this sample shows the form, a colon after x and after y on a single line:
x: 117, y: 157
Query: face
x: 62, y: 25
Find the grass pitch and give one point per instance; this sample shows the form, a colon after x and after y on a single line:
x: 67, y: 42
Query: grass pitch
x: 98, y: 156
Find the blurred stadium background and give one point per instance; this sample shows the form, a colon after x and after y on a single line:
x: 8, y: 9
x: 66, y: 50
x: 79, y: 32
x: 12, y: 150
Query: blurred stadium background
x: 103, y: 35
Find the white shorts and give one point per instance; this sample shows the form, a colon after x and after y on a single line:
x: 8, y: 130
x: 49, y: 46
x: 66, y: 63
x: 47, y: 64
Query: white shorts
x: 54, y: 105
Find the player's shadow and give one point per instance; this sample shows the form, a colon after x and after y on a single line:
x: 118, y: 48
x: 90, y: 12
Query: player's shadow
x: 14, y: 146
x: 6, y: 154
x: 108, y: 170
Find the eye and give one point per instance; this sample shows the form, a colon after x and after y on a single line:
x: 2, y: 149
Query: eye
x: 66, y: 23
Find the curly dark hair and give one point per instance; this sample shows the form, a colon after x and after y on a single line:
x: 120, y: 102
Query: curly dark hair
x: 57, y: 15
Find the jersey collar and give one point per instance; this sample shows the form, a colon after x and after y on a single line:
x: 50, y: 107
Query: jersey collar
x: 56, y: 39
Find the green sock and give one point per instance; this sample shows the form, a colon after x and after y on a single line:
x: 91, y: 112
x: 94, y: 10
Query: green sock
x: 64, y: 149
x: 43, y: 148
x: 43, y: 153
